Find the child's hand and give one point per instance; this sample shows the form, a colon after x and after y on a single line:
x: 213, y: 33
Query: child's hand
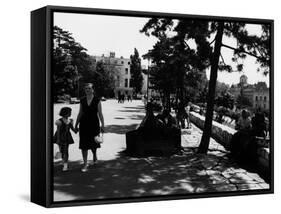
x: 76, y: 130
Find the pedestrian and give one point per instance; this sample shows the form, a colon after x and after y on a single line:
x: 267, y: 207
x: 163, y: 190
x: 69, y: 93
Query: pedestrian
x: 89, y: 118
x: 63, y: 137
x: 187, y: 110
x: 181, y: 115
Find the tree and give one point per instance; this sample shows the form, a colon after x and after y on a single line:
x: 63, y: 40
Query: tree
x: 205, y: 55
x: 173, y: 56
x: 69, y: 58
x: 258, y: 47
x: 136, y: 72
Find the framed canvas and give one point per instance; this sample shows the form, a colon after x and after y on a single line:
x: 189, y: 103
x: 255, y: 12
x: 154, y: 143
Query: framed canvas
x: 131, y: 106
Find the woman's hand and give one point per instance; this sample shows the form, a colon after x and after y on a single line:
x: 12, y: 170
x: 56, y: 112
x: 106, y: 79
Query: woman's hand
x: 102, y: 129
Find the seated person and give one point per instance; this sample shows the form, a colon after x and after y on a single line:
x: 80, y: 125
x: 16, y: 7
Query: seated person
x: 241, y: 140
x: 166, y: 119
x: 259, y: 124
x: 149, y: 121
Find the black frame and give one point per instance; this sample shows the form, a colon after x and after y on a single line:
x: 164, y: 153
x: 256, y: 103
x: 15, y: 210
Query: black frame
x: 42, y: 111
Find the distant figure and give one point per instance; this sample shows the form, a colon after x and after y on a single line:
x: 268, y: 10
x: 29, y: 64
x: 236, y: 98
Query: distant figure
x: 181, y: 115
x: 119, y: 97
x: 187, y: 110
x: 259, y: 124
x: 129, y: 98
x: 63, y: 137
x: 122, y: 98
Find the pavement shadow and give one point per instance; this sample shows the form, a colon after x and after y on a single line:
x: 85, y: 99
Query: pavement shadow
x: 125, y: 177
x: 131, y: 111
x: 139, y: 107
x: 120, y: 129
x: 136, y: 117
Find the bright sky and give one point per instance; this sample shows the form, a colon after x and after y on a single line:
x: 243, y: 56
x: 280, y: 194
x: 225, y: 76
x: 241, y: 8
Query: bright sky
x: 101, y: 34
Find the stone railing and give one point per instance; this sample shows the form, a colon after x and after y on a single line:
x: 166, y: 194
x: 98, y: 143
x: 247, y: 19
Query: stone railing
x: 223, y: 134
x: 220, y: 132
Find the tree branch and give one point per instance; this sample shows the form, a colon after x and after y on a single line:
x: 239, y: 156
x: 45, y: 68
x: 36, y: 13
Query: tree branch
x: 222, y: 59
x: 235, y: 49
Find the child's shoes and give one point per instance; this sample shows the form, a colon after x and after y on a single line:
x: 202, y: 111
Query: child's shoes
x: 65, y: 167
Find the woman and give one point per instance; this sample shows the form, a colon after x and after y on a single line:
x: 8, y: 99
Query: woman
x: 89, y: 118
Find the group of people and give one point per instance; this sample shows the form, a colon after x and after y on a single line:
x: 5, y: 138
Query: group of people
x: 89, y: 124
x: 121, y: 97
x: 243, y: 141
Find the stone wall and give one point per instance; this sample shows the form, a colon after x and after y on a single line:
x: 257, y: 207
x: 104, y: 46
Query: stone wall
x: 223, y: 135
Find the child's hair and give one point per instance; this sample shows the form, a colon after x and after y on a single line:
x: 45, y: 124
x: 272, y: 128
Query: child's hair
x: 65, y: 111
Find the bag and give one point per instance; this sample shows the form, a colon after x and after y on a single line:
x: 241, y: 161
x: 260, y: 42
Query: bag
x: 57, y: 153
x: 99, y: 139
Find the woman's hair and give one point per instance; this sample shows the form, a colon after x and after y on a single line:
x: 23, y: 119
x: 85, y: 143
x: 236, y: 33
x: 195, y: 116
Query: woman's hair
x: 89, y: 85
x: 65, y: 111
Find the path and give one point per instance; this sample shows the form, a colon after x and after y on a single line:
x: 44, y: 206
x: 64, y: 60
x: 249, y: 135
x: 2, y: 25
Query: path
x: 120, y: 176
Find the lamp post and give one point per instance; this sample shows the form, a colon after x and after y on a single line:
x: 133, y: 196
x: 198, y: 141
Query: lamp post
x: 147, y: 91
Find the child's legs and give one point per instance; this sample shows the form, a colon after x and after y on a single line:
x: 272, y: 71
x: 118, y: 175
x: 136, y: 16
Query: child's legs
x: 85, y: 156
x: 64, y: 153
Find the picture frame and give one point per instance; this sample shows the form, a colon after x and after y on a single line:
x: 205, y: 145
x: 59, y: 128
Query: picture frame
x: 52, y: 188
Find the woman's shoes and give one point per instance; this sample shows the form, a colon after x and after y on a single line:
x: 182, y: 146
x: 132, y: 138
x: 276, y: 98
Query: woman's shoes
x: 85, y: 168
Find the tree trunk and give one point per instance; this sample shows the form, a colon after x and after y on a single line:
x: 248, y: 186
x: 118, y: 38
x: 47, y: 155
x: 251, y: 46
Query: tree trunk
x: 205, y: 140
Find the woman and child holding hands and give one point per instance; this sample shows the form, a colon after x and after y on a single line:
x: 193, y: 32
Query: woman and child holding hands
x: 87, y: 124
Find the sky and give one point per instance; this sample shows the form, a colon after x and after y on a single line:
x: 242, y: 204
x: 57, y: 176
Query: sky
x: 101, y: 34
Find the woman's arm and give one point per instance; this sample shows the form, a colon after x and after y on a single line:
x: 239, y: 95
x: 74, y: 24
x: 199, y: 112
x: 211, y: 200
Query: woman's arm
x: 58, y: 124
x: 100, y: 115
x: 78, y: 117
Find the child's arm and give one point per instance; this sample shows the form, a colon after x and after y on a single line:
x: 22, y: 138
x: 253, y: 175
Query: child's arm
x: 72, y: 127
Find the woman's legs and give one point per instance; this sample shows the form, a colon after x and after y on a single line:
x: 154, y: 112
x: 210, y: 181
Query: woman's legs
x: 85, y: 159
x: 94, y: 151
x: 85, y: 156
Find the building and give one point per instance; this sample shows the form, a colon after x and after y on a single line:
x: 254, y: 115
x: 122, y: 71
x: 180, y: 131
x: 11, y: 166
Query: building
x: 257, y: 94
x: 121, y: 69
x: 261, y: 99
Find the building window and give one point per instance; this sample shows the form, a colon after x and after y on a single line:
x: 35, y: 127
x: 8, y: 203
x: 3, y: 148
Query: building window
x: 257, y: 98
x: 126, y: 70
x: 264, y: 98
x: 126, y: 83
x: 264, y: 106
x: 129, y: 63
x: 122, y: 62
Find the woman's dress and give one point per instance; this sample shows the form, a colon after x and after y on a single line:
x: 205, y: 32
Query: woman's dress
x: 89, y: 124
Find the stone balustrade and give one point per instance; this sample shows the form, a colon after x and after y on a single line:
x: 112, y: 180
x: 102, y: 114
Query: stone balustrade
x: 223, y: 135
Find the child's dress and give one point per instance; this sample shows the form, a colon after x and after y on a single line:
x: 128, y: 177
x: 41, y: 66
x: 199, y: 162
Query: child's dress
x: 63, y: 136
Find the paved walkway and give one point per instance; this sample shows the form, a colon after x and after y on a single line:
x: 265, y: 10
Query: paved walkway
x: 117, y: 175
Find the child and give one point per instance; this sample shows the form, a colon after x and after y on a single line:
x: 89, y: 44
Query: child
x: 63, y: 136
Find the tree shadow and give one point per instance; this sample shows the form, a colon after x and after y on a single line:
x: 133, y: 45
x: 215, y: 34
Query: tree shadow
x: 139, y: 107
x: 120, y: 129
x: 119, y: 118
x: 130, y: 111
x: 136, y: 117
x: 123, y: 177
